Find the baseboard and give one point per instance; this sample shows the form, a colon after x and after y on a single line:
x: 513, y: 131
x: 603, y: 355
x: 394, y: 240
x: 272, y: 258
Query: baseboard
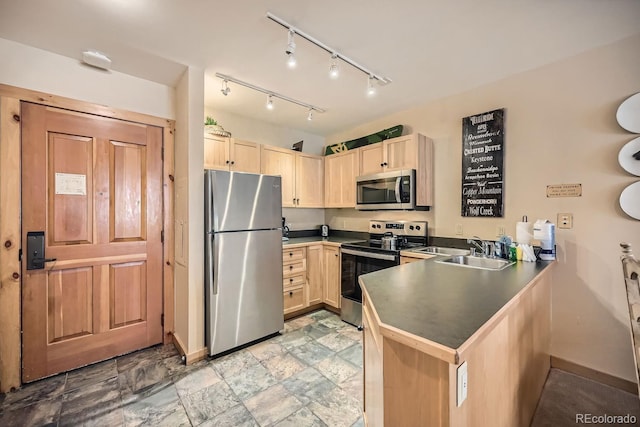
x: 311, y: 308
x: 189, y: 358
x: 594, y: 375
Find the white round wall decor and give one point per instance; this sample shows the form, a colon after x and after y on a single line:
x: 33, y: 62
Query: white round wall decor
x: 630, y: 200
x: 628, y: 114
x: 629, y: 157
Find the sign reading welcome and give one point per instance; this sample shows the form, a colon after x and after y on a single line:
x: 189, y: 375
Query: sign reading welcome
x: 483, y: 164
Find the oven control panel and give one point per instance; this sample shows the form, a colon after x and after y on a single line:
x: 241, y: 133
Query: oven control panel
x: 399, y: 228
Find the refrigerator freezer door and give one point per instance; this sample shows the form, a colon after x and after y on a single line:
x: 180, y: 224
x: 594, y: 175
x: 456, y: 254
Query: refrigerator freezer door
x: 242, y: 201
x: 244, y: 297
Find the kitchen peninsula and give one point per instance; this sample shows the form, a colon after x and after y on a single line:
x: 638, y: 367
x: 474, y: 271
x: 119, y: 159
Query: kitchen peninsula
x: 425, y: 323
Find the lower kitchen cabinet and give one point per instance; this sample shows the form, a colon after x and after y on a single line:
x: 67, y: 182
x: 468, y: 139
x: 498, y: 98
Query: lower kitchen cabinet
x: 373, y: 380
x: 310, y: 276
x: 294, y: 283
x: 315, y: 274
x: 332, y: 275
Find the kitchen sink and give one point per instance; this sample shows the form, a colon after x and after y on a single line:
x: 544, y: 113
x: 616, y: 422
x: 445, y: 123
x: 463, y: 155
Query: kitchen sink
x: 482, y: 263
x: 438, y: 250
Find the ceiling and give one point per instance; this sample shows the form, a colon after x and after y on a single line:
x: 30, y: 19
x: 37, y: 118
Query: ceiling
x: 429, y: 48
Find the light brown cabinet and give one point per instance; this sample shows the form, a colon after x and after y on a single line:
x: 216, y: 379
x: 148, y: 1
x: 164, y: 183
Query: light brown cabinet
x: 332, y: 276
x: 302, y: 176
x: 231, y: 154
x: 373, y: 379
x: 311, y: 272
x: 315, y: 274
x: 413, y: 151
x: 340, y: 172
x: 294, y: 283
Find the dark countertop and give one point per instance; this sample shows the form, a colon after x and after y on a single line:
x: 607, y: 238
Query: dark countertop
x: 319, y: 239
x: 445, y: 304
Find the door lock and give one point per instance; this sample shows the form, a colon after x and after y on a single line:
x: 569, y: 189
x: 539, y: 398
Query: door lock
x: 35, y: 251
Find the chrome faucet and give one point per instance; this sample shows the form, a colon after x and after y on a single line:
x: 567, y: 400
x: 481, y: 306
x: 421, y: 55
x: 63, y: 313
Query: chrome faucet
x: 485, y: 246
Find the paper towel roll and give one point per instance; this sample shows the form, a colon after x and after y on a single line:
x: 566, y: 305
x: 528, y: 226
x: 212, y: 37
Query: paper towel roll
x: 524, y: 232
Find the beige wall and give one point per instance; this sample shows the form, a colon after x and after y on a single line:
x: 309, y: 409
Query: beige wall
x: 189, y: 205
x: 266, y: 133
x: 30, y: 68
x: 560, y: 128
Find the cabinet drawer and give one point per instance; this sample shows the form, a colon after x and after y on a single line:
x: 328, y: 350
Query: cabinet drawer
x: 293, y: 268
x: 294, y: 299
x: 293, y: 254
x: 293, y: 281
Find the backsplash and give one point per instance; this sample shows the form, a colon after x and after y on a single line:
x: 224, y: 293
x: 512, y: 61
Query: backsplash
x: 303, y: 219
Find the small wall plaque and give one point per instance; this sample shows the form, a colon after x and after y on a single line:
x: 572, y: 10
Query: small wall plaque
x: 564, y: 190
x: 71, y: 184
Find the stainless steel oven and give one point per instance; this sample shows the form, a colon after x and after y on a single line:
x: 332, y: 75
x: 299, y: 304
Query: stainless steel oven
x: 386, y: 190
x: 364, y: 257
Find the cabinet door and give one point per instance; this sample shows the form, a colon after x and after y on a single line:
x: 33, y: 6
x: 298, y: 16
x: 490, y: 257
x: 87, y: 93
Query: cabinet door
x: 373, y: 370
x: 340, y: 171
x: 315, y: 274
x: 371, y: 159
x: 245, y: 156
x: 280, y: 161
x: 216, y: 152
x: 401, y: 153
x: 332, y: 276
x: 309, y: 181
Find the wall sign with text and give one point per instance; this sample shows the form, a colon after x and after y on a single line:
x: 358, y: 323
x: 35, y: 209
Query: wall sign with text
x: 483, y: 164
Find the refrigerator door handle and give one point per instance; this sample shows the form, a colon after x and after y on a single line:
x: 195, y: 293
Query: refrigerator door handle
x: 211, y: 263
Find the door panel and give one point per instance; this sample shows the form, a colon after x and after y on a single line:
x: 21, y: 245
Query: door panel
x: 94, y: 186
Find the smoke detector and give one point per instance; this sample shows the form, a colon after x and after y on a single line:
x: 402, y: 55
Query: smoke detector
x: 96, y: 59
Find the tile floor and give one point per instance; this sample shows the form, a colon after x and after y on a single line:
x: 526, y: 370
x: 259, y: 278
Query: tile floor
x: 311, y: 375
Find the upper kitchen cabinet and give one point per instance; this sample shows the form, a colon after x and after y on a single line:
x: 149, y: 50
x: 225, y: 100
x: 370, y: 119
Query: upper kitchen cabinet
x: 309, y: 181
x: 231, y: 154
x: 302, y: 176
x: 413, y: 151
x: 340, y: 172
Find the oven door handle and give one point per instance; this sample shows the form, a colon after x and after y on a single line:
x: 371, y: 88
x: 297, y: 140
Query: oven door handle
x: 368, y: 254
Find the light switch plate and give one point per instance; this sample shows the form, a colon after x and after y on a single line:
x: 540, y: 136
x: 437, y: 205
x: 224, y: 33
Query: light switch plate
x: 462, y: 383
x: 458, y: 229
x: 565, y: 220
x: 500, y: 230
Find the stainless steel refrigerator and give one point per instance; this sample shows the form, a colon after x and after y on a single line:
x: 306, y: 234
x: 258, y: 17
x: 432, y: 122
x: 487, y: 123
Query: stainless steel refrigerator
x: 243, y: 258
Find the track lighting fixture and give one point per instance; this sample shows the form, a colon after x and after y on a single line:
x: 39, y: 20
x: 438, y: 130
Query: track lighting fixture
x: 371, y: 89
x: 225, y: 88
x: 270, y: 95
x: 333, y: 68
x: 291, y: 50
x: 335, y: 55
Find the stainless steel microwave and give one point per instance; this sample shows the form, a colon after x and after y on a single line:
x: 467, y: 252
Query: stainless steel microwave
x: 387, y: 190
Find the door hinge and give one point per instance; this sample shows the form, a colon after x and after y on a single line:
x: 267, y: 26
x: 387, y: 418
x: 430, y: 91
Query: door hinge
x: 162, y: 319
x: 162, y: 236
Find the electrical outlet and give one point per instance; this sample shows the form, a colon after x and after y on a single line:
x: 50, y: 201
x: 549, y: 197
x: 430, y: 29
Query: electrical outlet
x: 458, y: 229
x: 500, y: 230
x: 462, y: 383
x: 565, y: 220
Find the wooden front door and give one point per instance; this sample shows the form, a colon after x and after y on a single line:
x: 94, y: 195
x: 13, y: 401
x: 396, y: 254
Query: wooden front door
x: 93, y: 185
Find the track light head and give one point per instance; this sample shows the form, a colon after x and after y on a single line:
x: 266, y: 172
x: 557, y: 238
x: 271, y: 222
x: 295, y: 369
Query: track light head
x: 334, y: 72
x: 371, y: 90
x: 269, y: 103
x: 225, y: 88
x: 291, y: 50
